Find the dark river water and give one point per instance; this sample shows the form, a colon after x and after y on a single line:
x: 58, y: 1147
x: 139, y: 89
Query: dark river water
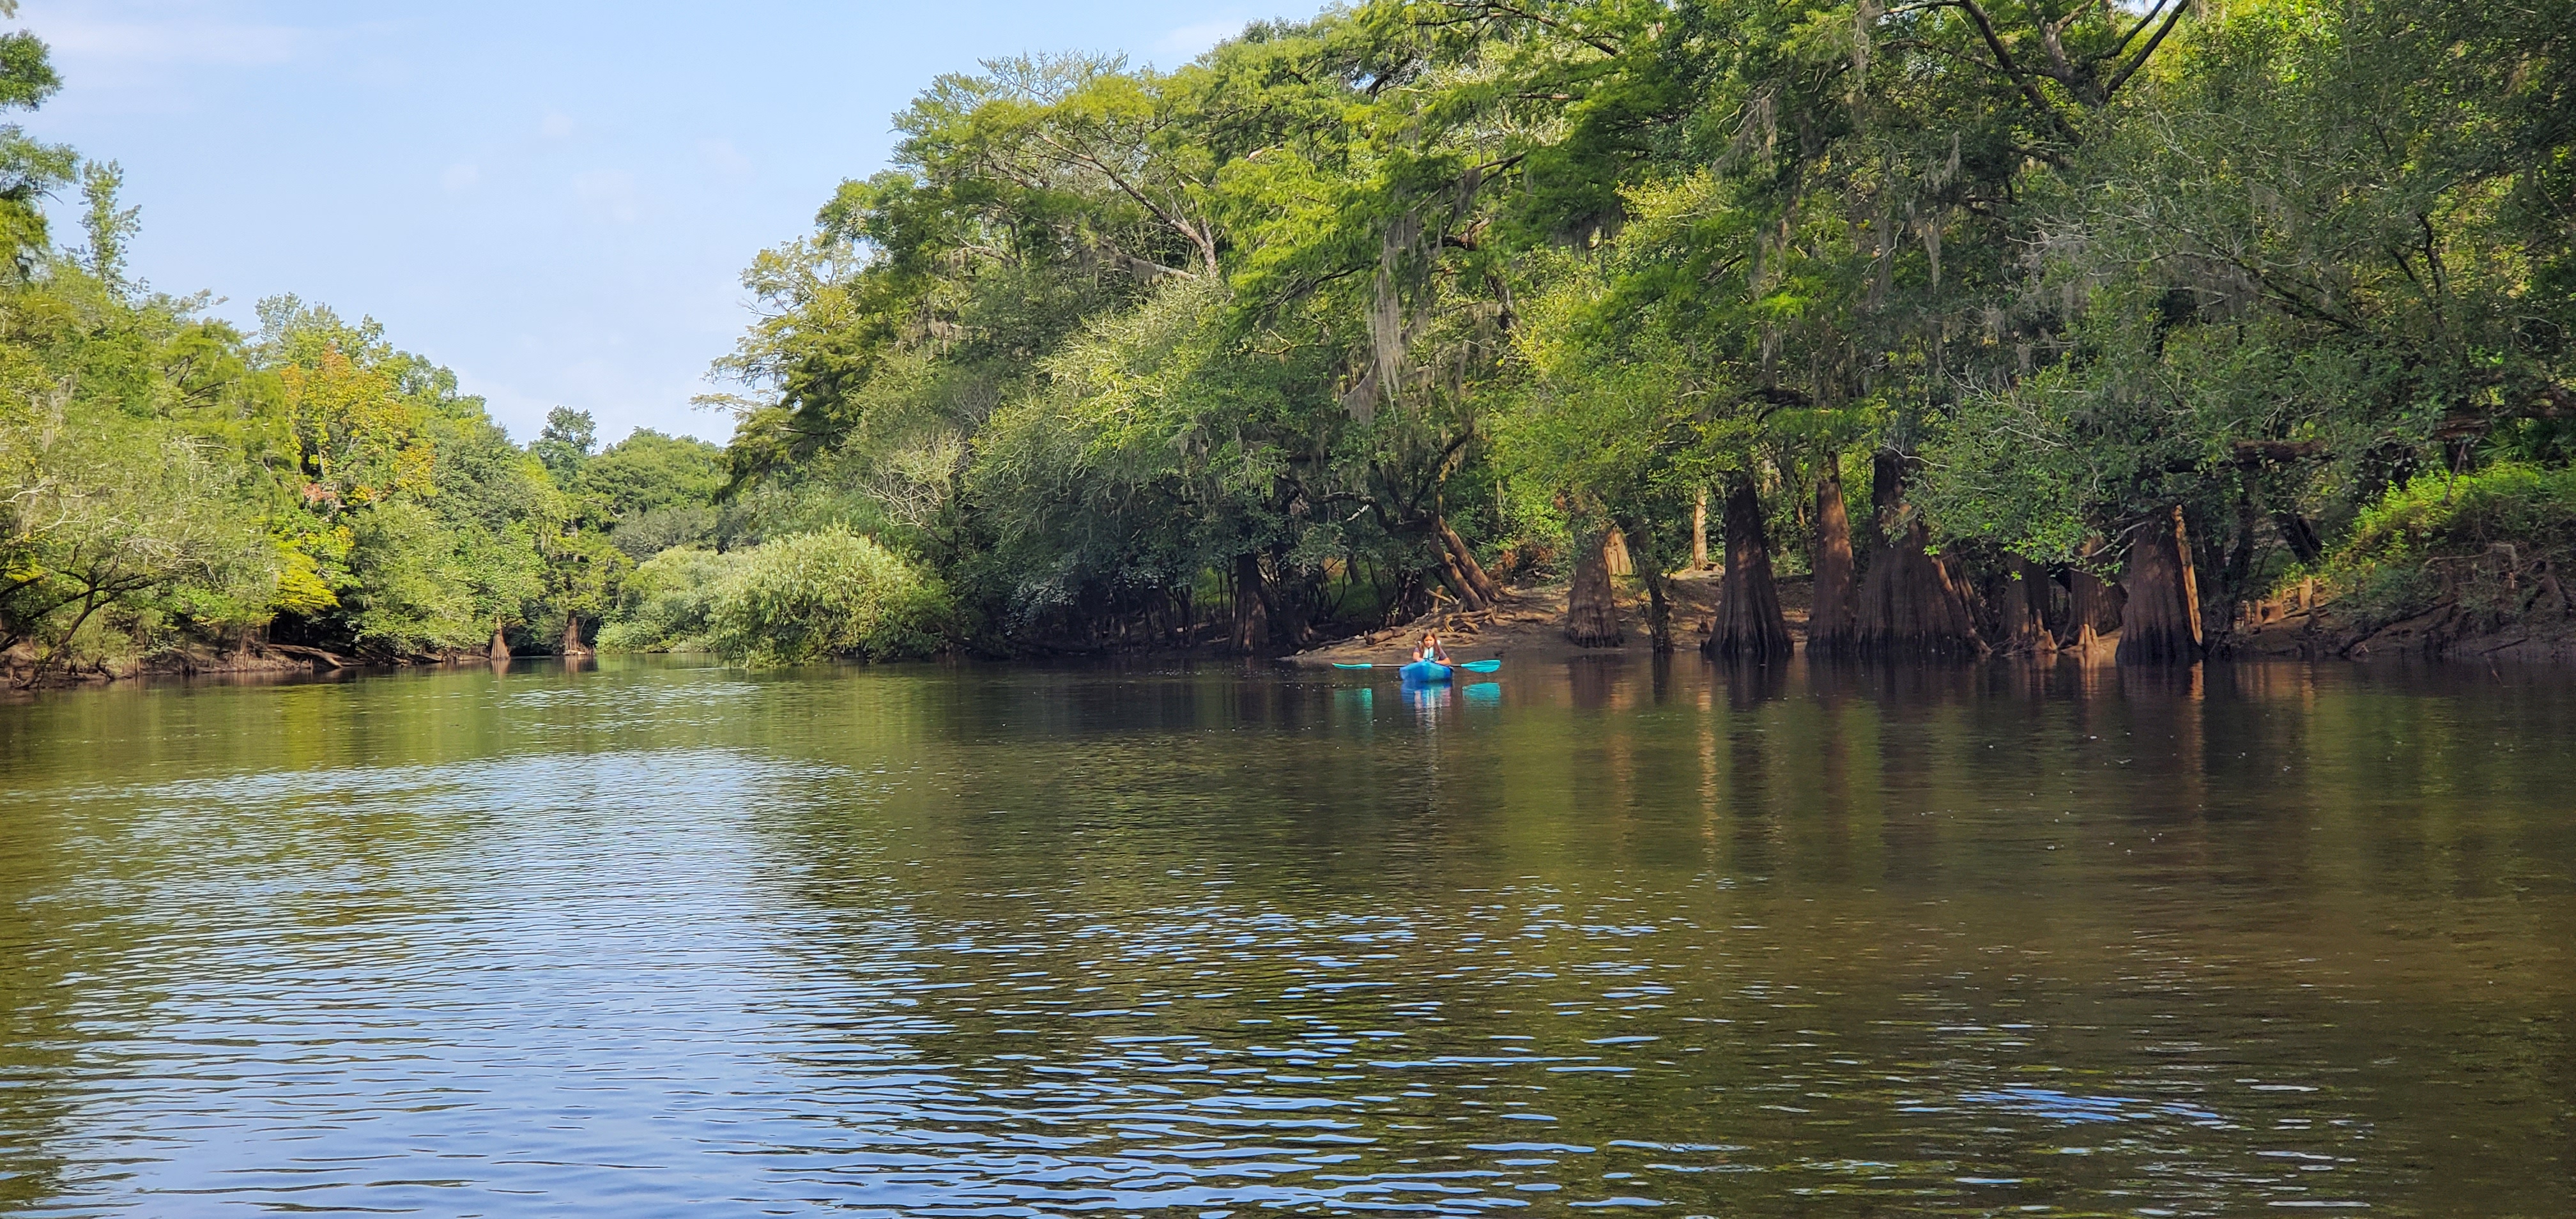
x: 657, y: 940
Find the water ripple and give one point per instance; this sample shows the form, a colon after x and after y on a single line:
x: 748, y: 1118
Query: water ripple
x: 871, y: 943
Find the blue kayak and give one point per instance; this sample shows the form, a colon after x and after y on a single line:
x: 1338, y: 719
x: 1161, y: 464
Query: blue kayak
x: 1424, y: 670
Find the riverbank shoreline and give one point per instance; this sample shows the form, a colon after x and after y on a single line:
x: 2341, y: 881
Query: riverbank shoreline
x: 1526, y: 626
x: 258, y: 661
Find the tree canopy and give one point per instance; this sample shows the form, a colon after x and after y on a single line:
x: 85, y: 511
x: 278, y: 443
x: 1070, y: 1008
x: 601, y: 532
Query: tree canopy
x: 1419, y: 283
x: 1357, y: 316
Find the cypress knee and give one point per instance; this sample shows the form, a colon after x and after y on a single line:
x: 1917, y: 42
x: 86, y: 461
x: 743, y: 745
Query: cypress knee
x: 2161, y: 622
x: 1591, y: 609
x: 1749, y: 622
x: 1832, y: 621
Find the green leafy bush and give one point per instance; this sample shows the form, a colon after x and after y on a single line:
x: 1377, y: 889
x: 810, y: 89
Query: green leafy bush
x: 797, y: 598
x: 668, y: 603
x: 2442, y: 537
x: 2439, y: 515
x: 831, y: 593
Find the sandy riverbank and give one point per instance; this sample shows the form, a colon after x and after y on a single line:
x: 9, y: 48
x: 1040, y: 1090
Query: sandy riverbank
x: 1529, y: 625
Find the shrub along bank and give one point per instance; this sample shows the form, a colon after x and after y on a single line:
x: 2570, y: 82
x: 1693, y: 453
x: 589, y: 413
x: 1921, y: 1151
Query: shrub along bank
x: 2475, y: 564
x: 793, y: 599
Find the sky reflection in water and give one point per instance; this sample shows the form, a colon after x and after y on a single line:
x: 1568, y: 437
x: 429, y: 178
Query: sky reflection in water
x: 1612, y: 936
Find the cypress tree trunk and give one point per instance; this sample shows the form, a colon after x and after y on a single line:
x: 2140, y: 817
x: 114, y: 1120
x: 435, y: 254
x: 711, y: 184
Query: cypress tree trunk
x: 2026, y: 611
x: 1455, y: 580
x: 1480, y: 588
x: 2232, y: 576
x: 1909, y: 607
x: 1251, y: 614
x: 1749, y: 623
x: 572, y: 644
x: 2096, y: 604
x: 1699, y: 531
x: 1833, y: 620
x: 2161, y: 623
x: 1591, y: 609
x: 1659, y: 614
x: 500, y: 651
x: 1886, y: 502
x: 1289, y: 604
x: 1649, y: 567
x: 2298, y: 535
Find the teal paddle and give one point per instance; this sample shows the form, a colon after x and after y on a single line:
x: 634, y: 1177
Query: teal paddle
x: 1472, y: 666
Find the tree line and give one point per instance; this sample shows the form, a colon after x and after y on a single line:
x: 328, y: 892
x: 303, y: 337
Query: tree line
x: 2117, y: 315
x: 2006, y: 322
x: 173, y: 487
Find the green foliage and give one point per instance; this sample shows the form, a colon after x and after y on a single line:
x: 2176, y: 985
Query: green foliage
x: 109, y: 227
x: 808, y: 596
x: 1369, y: 292
x: 1104, y: 332
x: 649, y: 471
x: 167, y: 481
x: 117, y: 518
x: 2309, y: 259
x: 668, y: 604
x: 1149, y: 454
x: 2438, y: 514
x: 2425, y: 540
x: 29, y: 170
x: 421, y: 515
x: 817, y: 595
x: 564, y: 444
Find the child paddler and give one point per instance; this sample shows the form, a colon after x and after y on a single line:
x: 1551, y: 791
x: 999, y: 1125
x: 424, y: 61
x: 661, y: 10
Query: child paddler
x: 1432, y: 651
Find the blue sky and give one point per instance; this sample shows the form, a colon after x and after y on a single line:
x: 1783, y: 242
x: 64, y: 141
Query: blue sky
x: 554, y: 199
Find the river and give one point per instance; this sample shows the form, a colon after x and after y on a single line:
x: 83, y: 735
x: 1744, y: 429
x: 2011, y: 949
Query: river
x: 653, y: 938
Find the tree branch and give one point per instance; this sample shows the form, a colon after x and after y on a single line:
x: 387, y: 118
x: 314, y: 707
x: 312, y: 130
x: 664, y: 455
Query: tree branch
x: 1524, y: 14
x: 1196, y: 234
x: 2171, y: 20
x: 2121, y: 47
x: 2020, y: 76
